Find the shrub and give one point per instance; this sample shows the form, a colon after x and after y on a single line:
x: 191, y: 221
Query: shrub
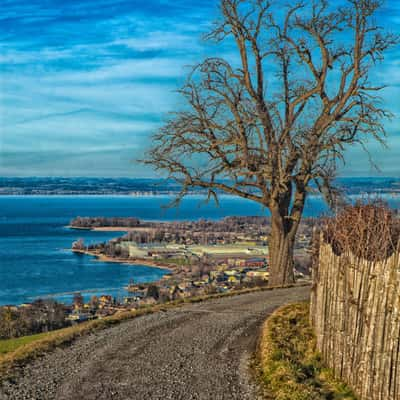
x: 369, y: 230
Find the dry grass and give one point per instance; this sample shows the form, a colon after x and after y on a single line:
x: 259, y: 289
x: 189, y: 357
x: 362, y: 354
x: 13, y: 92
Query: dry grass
x: 15, y: 352
x: 291, y: 367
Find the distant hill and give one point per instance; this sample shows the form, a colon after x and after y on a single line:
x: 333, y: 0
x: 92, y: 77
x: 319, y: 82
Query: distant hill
x: 89, y: 186
x: 125, y: 186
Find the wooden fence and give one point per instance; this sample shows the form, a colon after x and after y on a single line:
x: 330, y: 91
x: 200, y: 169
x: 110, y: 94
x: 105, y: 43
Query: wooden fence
x: 355, y: 310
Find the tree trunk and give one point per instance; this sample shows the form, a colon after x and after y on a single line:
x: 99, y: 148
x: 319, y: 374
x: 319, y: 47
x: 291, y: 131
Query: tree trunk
x: 281, y: 250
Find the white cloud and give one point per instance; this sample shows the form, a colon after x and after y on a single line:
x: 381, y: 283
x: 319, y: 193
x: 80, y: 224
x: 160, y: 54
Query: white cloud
x: 161, y: 40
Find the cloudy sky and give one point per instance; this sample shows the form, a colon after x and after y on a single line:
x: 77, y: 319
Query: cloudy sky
x: 84, y: 83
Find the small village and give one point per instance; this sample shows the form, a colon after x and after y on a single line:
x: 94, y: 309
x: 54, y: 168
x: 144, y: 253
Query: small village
x: 231, y: 274
x: 200, y: 258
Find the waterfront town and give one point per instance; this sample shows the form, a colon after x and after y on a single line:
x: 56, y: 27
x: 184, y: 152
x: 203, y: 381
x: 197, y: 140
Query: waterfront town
x: 199, y: 257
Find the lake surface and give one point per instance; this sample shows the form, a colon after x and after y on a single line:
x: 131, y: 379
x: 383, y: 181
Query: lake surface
x: 35, y: 256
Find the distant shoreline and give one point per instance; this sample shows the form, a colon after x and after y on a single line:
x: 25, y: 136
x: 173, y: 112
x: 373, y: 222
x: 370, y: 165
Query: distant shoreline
x: 96, y: 194
x: 109, y: 228
x: 100, y: 228
x: 133, y: 261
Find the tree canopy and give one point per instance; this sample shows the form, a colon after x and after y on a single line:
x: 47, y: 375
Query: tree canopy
x: 278, y: 116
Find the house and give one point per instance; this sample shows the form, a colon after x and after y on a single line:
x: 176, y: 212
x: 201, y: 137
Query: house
x: 214, y: 275
x: 231, y: 272
x: 200, y: 283
x: 185, y: 285
x: 222, y: 288
x: 233, y: 279
x: 131, y: 299
x: 261, y: 262
x: 77, y: 316
x: 177, y: 293
x: 134, y: 250
x: 105, y: 300
x: 260, y: 274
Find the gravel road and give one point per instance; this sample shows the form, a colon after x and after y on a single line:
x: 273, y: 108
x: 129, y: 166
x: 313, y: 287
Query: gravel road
x: 198, y: 351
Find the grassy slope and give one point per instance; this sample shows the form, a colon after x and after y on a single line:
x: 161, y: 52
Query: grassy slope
x: 291, y: 367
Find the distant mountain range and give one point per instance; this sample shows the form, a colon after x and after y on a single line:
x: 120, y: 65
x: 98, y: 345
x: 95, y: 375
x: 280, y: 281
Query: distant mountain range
x: 127, y: 186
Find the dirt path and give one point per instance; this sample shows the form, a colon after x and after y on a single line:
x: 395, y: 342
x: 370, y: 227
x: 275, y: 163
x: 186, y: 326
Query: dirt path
x: 199, y: 351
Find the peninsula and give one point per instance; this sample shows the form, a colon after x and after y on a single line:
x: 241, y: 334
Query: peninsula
x: 200, y: 257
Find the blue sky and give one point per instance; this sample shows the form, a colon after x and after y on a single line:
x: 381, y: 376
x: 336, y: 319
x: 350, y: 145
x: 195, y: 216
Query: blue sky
x: 84, y: 83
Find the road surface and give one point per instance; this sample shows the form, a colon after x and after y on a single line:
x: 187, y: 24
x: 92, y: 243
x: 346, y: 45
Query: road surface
x: 198, y: 351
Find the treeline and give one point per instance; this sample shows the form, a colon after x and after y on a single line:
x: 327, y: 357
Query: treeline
x: 40, y: 316
x: 112, y: 248
x: 201, y: 232
x: 96, y: 222
x: 253, y: 224
x: 182, y: 237
x: 227, y: 224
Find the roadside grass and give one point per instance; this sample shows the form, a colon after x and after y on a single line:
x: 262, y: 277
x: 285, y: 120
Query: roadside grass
x: 291, y: 367
x: 16, y: 352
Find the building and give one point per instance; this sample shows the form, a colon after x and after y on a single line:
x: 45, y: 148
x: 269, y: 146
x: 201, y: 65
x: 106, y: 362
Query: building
x: 256, y: 262
x: 257, y: 274
x: 233, y: 279
x: 78, y: 316
x: 229, y: 250
x: 105, y: 300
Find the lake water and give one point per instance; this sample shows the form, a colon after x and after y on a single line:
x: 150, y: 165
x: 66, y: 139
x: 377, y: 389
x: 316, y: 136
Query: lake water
x: 35, y: 256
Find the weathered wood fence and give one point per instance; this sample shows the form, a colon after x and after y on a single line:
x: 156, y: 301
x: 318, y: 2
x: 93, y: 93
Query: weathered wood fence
x: 355, y: 310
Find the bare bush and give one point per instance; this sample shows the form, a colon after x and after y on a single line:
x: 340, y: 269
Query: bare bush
x: 369, y: 230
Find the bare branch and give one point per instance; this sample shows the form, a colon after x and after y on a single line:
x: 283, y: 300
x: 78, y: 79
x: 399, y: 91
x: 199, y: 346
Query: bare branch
x: 284, y: 117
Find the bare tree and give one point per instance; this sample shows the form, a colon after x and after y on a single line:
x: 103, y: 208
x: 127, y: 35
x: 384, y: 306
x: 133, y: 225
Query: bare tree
x: 267, y: 126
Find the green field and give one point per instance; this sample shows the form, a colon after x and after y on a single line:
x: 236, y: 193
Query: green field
x: 176, y: 261
x: 12, y: 344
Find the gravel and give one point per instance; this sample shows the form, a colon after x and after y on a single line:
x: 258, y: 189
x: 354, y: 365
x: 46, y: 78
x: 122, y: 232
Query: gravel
x: 198, y: 351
